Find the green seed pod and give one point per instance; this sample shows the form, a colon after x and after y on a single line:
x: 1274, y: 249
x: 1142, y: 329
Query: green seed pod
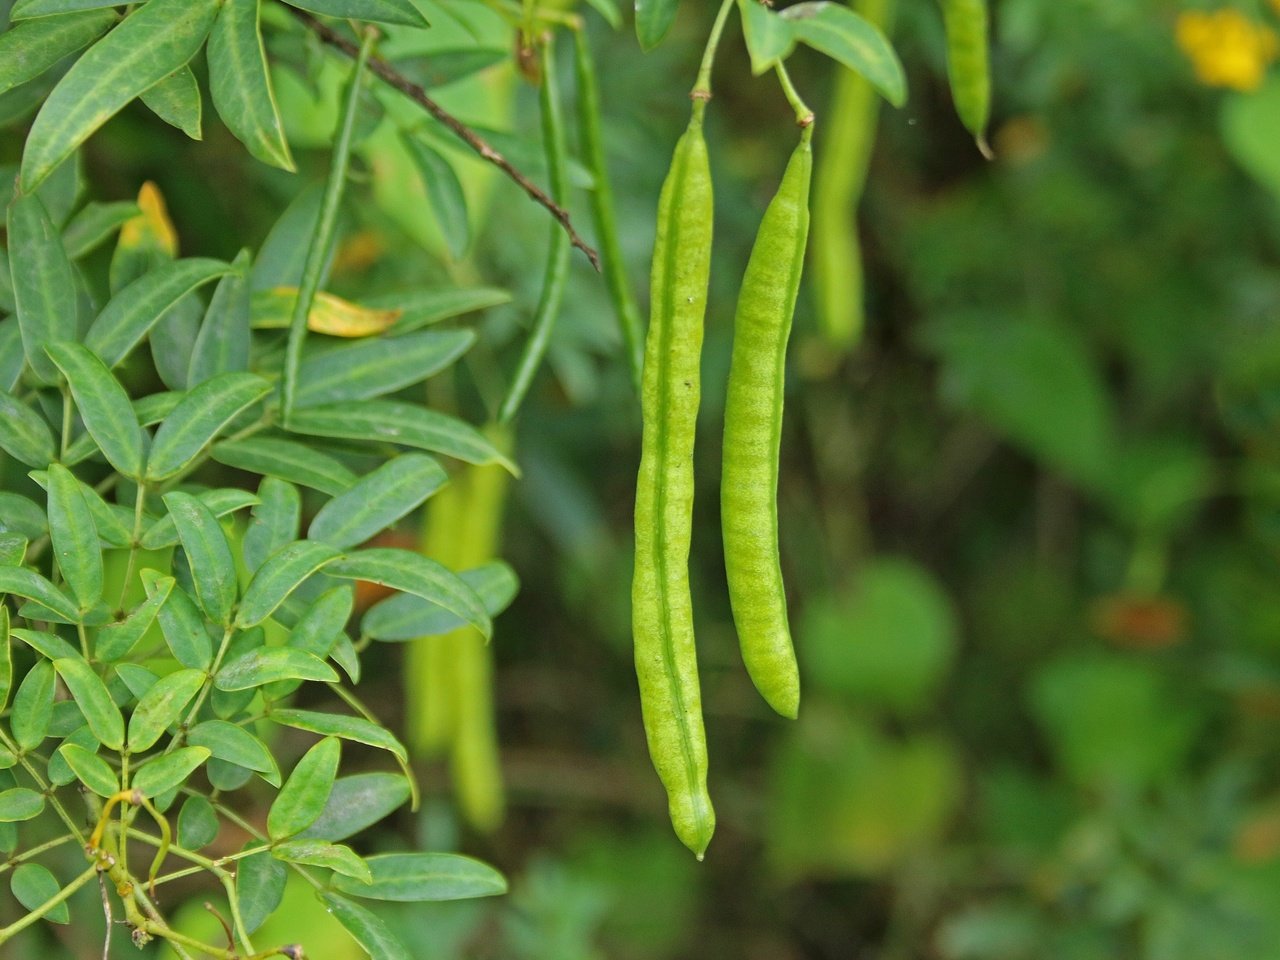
x: 753, y: 434
x: 662, y: 608
x: 968, y: 65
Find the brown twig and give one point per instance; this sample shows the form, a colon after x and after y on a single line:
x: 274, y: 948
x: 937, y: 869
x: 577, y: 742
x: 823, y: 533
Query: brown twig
x: 392, y: 77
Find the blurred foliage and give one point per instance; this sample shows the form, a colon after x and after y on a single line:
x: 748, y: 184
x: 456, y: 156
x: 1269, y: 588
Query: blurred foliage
x: 1031, y: 526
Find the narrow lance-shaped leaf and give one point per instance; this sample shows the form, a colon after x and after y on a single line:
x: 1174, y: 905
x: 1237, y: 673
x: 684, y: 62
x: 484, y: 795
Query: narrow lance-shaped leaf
x: 358, y: 802
x: 91, y: 696
x: 162, y: 774
x: 241, y: 84
x: 408, y: 424
x: 44, y: 284
x: 176, y: 100
x: 854, y: 41
x: 32, y: 586
x: 283, y: 573
x: 329, y: 314
x: 232, y: 743
x: 269, y: 664
x: 416, y: 574
x: 339, y: 725
x: 406, y: 617
x: 379, y: 11
x: 6, y: 658
x: 221, y: 501
x: 29, y: 49
x: 33, y: 706
x: 304, y: 794
x: 369, y: 368
x: 369, y: 930
x: 288, y: 460
x: 181, y: 623
x: 24, y: 9
x: 104, y: 406
x: 212, y: 567
x: 24, y: 434
x: 161, y: 706
x: 444, y: 194
x: 330, y: 856
x: 139, y: 306
x: 158, y: 38
x: 90, y: 769
x: 378, y: 500
x: 199, y: 418
x: 222, y: 346
x: 417, y: 877
x: 94, y: 224
x: 74, y: 536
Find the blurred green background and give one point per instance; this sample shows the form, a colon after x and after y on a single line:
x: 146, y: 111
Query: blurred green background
x: 1030, y: 525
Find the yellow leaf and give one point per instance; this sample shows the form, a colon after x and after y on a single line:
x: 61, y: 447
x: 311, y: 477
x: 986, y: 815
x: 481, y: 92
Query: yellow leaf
x: 152, y: 227
x: 273, y: 309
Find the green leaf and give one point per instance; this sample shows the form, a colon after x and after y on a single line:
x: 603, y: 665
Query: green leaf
x: 324, y: 621
x: 337, y: 725
x: 260, y: 883
x: 379, y: 11
x: 74, y: 536
x: 241, y: 84
x: 281, y: 258
x: 408, y: 424
x: 22, y: 516
x: 104, y: 406
x: 155, y: 40
x: 12, y: 357
x: 113, y: 522
x: 413, y: 573
x: 303, y: 795
x: 269, y: 664
x: 181, y: 623
x: 26, y: 583
x: 356, y: 803
x: 282, y: 573
x: 161, y: 706
x: 1250, y: 126
x: 234, y: 744
x: 33, y: 886
x: 378, y: 500
x: 287, y: 460
x: 274, y: 521
x: 159, y: 776
x: 770, y: 38
x: 90, y: 769
x: 414, y: 877
x: 199, y: 418
x: 330, y: 856
x: 197, y: 823
x: 24, y: 434
x: 91, y: 696
x: 173, y: 340
x: 444, y: 194
x: 33, y: 707
x: 115, y: 640
x: 176, y: 100
x: 373, y: 935
x: 13, y: 549
x: 209, y: 554
x: 843, y: 35
x: 421, y: 308
x: 95, y: 224
x: 653, y: 20
x: 222, y: 345
x: 406, y: 617
x: 221, y: 502
x: 48, y: 645
x: 24, y: 9
x: 19, y: 804
x: 44, y: 283
x: 137, y: 308
x: 368, y: 368
x: 29, y: 49
x: 138, y: 680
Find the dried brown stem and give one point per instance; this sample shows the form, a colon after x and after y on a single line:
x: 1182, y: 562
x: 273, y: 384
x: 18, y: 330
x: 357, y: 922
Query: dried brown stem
x: 392, y: 77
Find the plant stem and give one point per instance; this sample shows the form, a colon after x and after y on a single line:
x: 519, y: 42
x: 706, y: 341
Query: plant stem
x: 804, y: 116
x: 18, y: 926
x: 322, y: 240
x: 702, y: 87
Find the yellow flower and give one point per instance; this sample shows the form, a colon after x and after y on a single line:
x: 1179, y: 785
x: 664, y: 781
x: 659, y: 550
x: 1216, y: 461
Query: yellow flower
x: 1226, y: 48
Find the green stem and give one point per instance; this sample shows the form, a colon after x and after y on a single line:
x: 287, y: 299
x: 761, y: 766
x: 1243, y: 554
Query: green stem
x: 323, y: 239
x: 65, y: 442
x: 592, y: 145
x: 34, y: 852
x: 557, y: 271
x: 18, y: 926
x: 139, y: 503
x: 702, y: 88
x: 804, y: 116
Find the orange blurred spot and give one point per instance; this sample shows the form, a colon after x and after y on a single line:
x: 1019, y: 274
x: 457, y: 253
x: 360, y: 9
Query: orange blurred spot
x: 1140, y: 623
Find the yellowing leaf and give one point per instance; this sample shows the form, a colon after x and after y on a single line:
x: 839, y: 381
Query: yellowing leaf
x: 330, y: 314
x: 152, y: 227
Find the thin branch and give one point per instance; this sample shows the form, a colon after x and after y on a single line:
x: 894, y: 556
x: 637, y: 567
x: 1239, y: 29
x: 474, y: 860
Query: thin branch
x: 392, y: 77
